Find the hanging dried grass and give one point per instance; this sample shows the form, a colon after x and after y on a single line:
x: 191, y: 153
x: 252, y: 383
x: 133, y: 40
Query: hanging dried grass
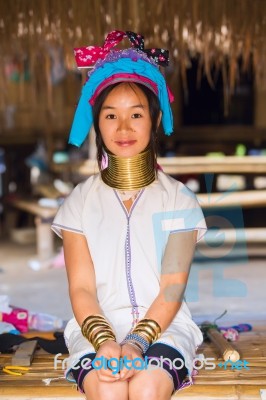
x: 217, y: 32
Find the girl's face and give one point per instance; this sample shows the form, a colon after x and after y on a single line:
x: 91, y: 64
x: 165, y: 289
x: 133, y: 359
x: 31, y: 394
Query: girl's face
x: 124, y: 121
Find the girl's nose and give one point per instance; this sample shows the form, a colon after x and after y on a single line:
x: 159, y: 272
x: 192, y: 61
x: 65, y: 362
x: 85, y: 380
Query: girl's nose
x: 124, y: 125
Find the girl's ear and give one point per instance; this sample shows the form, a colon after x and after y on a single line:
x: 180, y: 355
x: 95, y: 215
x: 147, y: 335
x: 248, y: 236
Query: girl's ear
x: 159, y: 120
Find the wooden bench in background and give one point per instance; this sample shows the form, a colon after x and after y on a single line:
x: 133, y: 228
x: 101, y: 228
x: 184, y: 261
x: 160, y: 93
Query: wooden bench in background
x: 44, y: 216
x: 182, y: 165
x: 173, y: 166
x: 43, y: 219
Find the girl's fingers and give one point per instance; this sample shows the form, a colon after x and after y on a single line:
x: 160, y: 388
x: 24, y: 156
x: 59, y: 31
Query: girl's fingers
x: 126, y: 374
x: 108, y: 376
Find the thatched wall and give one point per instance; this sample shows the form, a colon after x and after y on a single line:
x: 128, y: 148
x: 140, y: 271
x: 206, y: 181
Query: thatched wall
x: 38, y: 79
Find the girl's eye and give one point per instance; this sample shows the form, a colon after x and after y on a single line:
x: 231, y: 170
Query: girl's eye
x: 136, y: 115
x: 110, y: 116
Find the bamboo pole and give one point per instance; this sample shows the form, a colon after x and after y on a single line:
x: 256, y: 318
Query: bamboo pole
x: 226, y: 350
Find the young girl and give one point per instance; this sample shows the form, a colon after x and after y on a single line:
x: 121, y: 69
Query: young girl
x: 129, y: 236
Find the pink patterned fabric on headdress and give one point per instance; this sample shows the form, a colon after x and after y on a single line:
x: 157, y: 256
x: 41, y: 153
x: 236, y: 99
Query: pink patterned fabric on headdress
x: 88, y: 56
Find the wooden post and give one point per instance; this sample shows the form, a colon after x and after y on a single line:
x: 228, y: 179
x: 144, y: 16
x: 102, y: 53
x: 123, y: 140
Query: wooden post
x: 45, y: 243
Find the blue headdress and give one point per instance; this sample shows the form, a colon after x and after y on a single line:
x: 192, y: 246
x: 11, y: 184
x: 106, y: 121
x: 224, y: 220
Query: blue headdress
x: 112, y: 66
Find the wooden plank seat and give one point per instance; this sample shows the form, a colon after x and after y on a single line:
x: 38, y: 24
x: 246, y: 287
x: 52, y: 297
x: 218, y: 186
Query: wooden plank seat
x: 224, y: 165
x: 32, y: 207
x: 241, y: 198
x: 238, y: 235
x: 173, y: 166
x: 183, y: 165
x: 213, y: 384
x: 198, y: 165
x: 43, y: 219
x: 250, y: 198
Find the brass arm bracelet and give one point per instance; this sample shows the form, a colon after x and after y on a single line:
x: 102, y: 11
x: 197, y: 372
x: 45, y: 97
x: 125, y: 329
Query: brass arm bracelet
x: 148, y: 328
x: 152, y: 323
x: 90, y: 318
x: 102, y: 340
x: 100, y: 334
x: 97, y: 330
x: 92, y: 329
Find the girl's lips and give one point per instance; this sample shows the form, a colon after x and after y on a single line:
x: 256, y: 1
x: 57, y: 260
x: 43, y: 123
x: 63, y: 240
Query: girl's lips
x: 125, y: 143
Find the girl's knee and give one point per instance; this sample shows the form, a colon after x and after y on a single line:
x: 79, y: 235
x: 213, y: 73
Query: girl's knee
x: 150, y: 389
x: 98, y: 390
x: 112, y: 392
x: 147, y: 392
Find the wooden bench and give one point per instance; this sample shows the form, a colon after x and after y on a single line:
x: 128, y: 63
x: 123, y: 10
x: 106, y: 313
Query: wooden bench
x: 43, y: 219
x: 198, y: 165
x: 182, y: 165
x: 205, y: 165
x: 172, y: 166
x: 217, y: 383
x: 44, y: 216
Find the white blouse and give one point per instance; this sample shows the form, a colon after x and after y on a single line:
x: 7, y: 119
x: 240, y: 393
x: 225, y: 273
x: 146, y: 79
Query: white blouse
x: 127, y: 250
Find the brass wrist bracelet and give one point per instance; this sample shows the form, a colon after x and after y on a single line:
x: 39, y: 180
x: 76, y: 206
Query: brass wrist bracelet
x: 89, y: 329
x: 103, y: 340
x: 148, y: 328
x: 97, y: 330
x: 91, y: 318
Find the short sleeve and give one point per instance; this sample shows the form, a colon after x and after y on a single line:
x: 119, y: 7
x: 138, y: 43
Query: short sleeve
x: 69, y: 214
x: 188, y: 214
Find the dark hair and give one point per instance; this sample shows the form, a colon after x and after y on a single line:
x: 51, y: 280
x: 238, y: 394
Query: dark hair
x: 154, y: 108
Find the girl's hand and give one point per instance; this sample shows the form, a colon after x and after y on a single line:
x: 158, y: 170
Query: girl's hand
x: 109, y: 355
x: 132, y: 363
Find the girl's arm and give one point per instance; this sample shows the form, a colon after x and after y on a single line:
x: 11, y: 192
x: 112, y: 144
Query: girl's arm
x: 176, y: 264
x: 81, y: 276
x: 175, y: 270
x: 83, y: 295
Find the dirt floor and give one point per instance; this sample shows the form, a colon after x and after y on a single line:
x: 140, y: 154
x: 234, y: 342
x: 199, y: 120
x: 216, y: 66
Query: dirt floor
x: 42, y: 291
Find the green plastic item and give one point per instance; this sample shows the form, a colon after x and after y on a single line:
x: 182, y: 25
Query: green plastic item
x: 215, y: 154
x: 241, y: 150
